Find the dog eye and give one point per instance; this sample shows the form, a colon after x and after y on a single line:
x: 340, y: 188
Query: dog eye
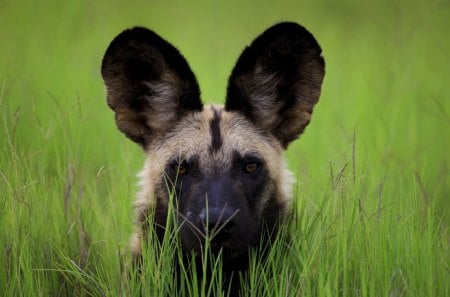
x: 180, y: 168
x: 251, y: 167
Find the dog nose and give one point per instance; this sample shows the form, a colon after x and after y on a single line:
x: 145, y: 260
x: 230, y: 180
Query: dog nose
x: 218, y: 223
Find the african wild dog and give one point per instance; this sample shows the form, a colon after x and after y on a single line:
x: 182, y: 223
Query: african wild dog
x: 227, y: 161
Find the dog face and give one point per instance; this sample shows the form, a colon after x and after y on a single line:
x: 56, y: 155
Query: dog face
x: 228, y: 179
x: 221, y: 167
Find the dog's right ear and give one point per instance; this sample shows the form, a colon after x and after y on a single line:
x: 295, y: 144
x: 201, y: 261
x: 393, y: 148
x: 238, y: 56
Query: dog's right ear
x: 149, y: 85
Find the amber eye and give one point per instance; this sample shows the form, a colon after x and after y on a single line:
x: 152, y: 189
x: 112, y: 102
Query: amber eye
x: 250, y: 167
x: 180, y: 168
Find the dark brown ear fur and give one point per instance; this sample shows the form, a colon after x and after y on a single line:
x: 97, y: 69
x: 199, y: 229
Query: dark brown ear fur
x: 149, y: 84
x: 277, y: 81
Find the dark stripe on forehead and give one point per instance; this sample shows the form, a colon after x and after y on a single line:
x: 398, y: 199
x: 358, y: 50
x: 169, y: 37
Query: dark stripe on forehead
x: 216, y: 137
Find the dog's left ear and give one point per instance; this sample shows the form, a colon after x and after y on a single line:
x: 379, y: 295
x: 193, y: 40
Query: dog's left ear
x: 277, y: 81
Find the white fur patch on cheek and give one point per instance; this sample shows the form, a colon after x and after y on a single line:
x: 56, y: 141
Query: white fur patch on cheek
x: 147, y: 177
x: 287, y: 182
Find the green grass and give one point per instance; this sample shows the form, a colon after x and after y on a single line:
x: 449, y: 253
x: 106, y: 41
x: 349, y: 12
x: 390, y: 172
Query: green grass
x: 372, y: 198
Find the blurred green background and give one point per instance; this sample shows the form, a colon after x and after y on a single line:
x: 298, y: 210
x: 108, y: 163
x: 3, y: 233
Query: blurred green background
x: 384, y: 113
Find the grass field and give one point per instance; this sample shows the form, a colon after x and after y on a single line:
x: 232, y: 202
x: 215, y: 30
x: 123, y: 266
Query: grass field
x: 373, y: 192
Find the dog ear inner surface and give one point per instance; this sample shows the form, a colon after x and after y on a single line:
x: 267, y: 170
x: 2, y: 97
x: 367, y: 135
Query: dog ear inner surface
x: 150, y: 86
x: 277, y: 81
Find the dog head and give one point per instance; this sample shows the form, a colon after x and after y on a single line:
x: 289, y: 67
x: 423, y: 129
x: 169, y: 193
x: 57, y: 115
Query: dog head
x: 222, y: 166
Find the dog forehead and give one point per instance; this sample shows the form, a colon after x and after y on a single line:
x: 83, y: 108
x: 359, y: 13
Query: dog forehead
x: 214, y: 136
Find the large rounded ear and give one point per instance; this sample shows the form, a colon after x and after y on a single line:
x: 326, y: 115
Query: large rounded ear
x: 149, y: 85
x: 277, y: 80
